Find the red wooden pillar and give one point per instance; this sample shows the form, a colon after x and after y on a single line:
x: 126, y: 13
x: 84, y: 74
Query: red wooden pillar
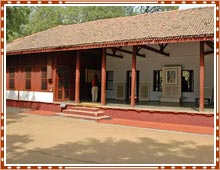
x: 103, y: 80
x: 133, y: 76
x: 201, y: 101
x: 54, y: 81
x: 77, y: 78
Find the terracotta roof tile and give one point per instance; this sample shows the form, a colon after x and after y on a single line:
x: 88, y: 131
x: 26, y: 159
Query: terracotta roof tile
x: 198, y: 22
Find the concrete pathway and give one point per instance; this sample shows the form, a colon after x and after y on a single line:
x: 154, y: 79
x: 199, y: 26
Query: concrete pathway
x: 37, y: 139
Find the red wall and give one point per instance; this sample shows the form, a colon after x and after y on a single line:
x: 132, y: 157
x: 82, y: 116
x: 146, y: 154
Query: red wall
x: 163, y: 116
x: 90, y: 59
x: 34, y: 105
x: 183, y: 118
x: 20, y: 63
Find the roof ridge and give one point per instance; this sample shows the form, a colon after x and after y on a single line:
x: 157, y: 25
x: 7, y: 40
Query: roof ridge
x: 105, y: 19
x: 147, y: 27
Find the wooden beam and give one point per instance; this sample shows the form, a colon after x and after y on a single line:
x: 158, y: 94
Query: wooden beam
x: 210, y: 44
x: 155, y: 50
x: 163, y: 46
x: 114, y: 55
x: 114, y: 50
x: 126, y: 51
x: 138, y: 49
x: 202, y: 79
x: 208, y: 52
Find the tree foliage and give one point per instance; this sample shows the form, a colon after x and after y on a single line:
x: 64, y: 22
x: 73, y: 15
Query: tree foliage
x: 16, y: 17
x: 23, y: 21
x: 43, y: 18
x: 151, y: 9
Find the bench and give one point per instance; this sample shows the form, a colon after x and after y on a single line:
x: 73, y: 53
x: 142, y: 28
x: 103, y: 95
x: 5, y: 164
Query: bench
x: 208, y: 95
x: 206, y: 99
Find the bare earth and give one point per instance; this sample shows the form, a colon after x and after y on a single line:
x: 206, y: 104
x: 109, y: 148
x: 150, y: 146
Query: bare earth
x: 37, y: 139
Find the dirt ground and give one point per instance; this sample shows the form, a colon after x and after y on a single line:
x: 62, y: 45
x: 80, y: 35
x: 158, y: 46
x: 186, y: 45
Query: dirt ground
x: 38, y: 139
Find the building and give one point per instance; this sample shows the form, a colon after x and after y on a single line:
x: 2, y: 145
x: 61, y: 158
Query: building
x: 164, y: 56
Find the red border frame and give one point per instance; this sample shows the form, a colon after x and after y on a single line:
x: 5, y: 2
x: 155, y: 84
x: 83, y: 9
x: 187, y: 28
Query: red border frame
x: 112, y: 167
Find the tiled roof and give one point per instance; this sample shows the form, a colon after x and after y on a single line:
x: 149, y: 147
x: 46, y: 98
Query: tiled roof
x: 178, y: 24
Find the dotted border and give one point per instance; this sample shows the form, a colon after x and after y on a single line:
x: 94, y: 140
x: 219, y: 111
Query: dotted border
x: 63, y: 167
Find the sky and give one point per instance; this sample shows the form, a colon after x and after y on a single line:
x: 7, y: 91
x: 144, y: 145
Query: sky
x: 191, y: 6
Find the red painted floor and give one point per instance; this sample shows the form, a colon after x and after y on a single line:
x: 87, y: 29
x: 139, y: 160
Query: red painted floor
x: 42, y: 112
x: 161, y: 126
x: 144, y: 124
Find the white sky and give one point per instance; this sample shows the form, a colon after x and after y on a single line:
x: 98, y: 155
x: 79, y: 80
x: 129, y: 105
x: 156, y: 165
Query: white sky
x: 192, y: 6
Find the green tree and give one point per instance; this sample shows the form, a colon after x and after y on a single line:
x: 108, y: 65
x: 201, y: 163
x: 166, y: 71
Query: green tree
x: 43, y: 18
x: 102, y: 12
x: 16, y: 17
x: 130, y: 10
x: 23, y: 21
x: 151, y: 9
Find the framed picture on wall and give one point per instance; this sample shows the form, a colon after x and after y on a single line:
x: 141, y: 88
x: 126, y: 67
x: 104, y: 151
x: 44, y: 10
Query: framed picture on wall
x: 171, y: 76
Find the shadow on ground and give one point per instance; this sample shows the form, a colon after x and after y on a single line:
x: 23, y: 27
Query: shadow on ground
x: 109, y: 151
x: 13, y: 114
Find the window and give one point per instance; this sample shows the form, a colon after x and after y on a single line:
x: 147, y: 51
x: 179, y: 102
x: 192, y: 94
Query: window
x: 11, y: 78
x: 187, y: 81
x: 109, y: 82
x: 44, y: 78
x: 28, y: 78
x: 158, y: 76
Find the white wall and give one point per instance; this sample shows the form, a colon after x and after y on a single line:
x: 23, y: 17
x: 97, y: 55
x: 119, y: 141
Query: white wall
x: 30, y: 95
x: 120, y: 66
x: 184, y: 54
x: 12, y: 94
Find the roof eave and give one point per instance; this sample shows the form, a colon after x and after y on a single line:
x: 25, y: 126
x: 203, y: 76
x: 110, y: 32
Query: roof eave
x: 115, y: 44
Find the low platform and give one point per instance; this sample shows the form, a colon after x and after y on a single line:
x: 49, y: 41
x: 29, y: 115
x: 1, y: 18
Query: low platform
x: 160, y: 114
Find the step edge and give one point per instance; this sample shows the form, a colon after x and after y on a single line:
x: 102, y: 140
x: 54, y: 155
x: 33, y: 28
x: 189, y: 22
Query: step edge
x: 89, y: 108
x: 82, y: 116
x: 84, y: 111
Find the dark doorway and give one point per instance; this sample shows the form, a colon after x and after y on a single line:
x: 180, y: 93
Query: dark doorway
x: 86, y: 84
x: 128, y: 85
x: 90, y: 65
x: 65, y: 83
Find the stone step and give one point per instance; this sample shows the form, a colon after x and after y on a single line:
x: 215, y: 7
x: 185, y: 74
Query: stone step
x: 83, y: 116
x: 83, y: 112
x: 84, y: 108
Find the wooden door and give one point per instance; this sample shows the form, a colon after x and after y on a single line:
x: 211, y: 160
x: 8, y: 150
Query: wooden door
x: 64, y: 83
x: 172, y: 81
